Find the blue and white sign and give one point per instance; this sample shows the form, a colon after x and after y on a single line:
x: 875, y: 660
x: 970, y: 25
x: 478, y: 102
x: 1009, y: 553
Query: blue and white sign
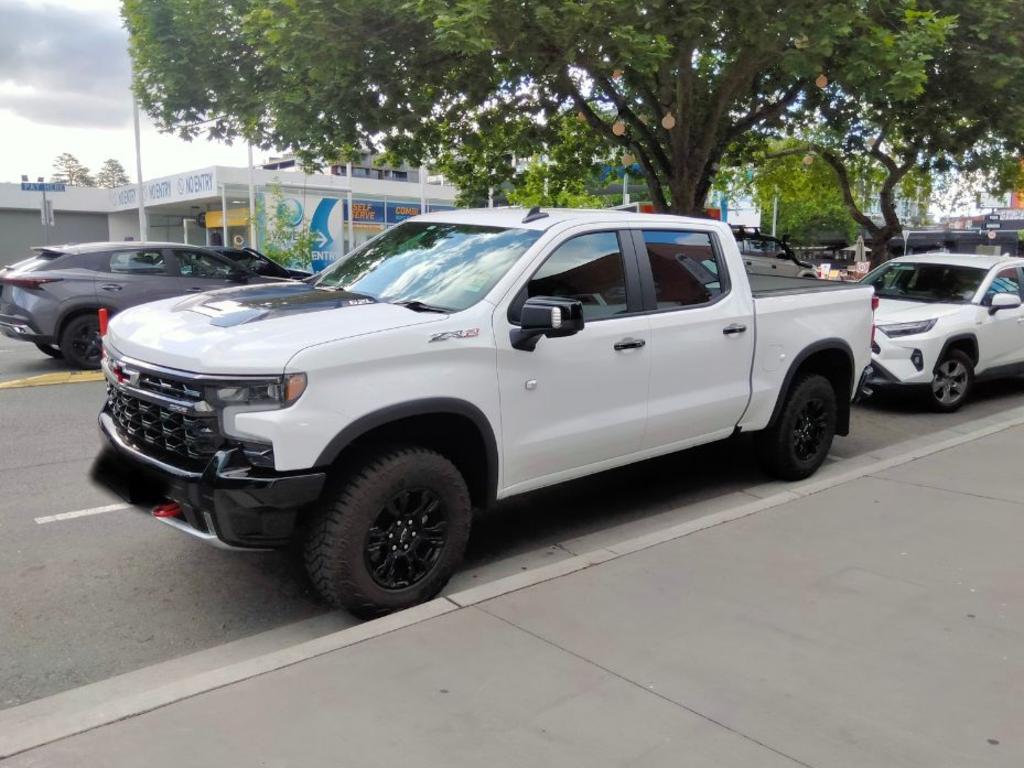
x: 168, y: 189
x: 39, y: 186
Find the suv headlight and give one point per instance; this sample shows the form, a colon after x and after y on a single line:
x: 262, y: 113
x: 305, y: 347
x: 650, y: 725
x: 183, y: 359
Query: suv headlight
x: 258, y: 394
x: 907, y: 329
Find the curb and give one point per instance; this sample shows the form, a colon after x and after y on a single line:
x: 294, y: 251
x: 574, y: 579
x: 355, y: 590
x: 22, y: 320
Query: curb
x: 57, y: 717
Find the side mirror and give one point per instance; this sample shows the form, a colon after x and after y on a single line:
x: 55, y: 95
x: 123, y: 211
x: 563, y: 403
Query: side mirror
x: 1003, y: 301
x: 546, y: 316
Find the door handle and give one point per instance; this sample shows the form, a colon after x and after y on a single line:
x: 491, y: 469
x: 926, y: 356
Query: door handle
x: 732, y: 330
x: 111, y: 287
x: 629, y: 343
x: 199, y: 289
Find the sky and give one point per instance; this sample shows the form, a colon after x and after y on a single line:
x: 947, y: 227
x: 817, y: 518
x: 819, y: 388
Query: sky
x: 64, y: 87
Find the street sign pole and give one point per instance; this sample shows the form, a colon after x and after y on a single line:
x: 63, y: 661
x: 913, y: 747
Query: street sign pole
x: 46, y: 222
x: 143, y: 234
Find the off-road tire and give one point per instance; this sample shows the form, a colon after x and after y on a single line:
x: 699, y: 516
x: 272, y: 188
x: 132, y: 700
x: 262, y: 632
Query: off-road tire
x: 80, y: 340
x: 335, y: 553
x: 953, y: 361
x: 50, y: 350
x: 782, y: 449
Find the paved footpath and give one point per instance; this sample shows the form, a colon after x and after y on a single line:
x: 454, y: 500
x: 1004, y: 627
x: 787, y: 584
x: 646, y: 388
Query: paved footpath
x: 878, y: 622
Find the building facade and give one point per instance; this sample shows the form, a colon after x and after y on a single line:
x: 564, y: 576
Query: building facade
x: 211, y: 206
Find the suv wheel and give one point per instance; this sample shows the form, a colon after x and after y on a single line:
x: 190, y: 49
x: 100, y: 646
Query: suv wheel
x: 952, y: 381
x: 797, y: 444
x: 80, y: 341
x: 392, y: 534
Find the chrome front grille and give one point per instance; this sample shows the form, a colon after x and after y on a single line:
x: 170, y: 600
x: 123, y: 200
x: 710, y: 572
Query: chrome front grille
x: 167, y: 431
x: 168, y: 387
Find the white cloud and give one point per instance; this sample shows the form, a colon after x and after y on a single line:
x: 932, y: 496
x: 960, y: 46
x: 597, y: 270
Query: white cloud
x: 64, y: 87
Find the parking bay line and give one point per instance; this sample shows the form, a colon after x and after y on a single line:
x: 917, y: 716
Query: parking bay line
x: 48, y: 379
x: 81, y: 513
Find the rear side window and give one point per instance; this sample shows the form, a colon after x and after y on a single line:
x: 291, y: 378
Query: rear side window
x: 685, y: 266
x: 588, y: 268
x: 143, y: 262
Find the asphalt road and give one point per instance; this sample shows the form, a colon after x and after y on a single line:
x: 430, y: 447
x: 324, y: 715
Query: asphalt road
x: 86, y: 598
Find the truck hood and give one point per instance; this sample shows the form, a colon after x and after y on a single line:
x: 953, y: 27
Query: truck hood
x: 896, y: 311
x: 251, y: 329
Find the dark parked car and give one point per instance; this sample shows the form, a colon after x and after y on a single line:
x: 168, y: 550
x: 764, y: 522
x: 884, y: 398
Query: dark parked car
x: 259, y: 263
x: 52, y: 298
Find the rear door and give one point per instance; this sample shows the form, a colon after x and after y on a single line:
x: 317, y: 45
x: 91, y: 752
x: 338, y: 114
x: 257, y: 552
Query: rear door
x: 702, y: 336
x: 134, y: 276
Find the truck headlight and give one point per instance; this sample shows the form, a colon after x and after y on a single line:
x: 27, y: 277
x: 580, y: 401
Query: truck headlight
x: 276, y: 391
x: 907, y: 329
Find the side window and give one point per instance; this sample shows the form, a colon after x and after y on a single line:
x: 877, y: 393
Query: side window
x: 138, y: 262
x: 588, y: 268
x: 1007, y: 281
x: 685, y: 268
x: 199, y: 264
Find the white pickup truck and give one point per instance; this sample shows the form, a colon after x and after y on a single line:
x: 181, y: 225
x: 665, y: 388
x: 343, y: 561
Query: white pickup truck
x: 461, y: 358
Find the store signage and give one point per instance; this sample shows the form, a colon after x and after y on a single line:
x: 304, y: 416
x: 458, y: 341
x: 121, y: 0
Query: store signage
x: 168, y: 189
x: 397, y: 212
x: 40, y: 186
x: 368, y: 211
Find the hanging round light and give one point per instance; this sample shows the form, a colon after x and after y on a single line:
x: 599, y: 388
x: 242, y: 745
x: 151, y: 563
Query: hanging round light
x: 628, y: 159
x: 668, y: 122
x: 617, y: 74
x: 619, y: 128
x: 821, y: 81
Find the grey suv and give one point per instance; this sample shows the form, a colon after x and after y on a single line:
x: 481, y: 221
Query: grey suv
x: 51, y: 299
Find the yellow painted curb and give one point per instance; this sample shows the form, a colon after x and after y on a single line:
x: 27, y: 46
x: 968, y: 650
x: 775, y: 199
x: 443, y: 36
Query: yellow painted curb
x: 48, y: 379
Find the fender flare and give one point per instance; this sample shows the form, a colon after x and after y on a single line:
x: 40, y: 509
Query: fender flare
x: 823, y: 345
x: 431, y: 406
x: 961, y: 337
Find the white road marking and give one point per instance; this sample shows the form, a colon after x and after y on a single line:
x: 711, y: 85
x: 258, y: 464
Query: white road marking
x: 81, y: 513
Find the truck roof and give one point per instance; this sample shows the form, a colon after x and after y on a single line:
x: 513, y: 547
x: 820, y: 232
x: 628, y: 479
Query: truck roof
x: 513, y: 217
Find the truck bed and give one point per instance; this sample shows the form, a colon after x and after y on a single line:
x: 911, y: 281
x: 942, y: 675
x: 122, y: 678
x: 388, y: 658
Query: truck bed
x: 763, y: 286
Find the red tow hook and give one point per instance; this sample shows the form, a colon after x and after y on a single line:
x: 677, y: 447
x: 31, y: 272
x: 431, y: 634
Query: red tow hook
x: 167, y: 509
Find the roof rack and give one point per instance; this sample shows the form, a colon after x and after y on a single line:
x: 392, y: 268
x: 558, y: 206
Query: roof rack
x: 533, y: 214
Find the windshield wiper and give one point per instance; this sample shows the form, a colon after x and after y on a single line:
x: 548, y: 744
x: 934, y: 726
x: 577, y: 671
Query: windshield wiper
x: 420, y: 306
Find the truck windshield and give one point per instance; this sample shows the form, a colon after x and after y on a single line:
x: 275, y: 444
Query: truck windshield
x: 447, y: 267
x: 908, y: 281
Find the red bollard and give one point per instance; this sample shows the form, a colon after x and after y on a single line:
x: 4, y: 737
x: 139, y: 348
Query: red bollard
x: 104, y: 317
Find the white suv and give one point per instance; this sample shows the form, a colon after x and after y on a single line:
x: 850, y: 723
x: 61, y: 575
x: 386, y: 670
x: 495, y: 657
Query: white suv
x: 946, y: 320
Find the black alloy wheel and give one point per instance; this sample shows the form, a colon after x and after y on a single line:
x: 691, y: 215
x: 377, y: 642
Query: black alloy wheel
x: 406, y: 539
x: 812, y: 424
x: 80, y: 342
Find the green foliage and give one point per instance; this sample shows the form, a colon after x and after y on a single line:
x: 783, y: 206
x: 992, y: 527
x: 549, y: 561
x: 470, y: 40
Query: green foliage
x: 288, y: 244
x: 417, y: 77
x: 112, y: 174
x: 68, y: 170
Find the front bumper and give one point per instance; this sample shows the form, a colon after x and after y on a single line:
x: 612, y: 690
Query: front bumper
x: 229, y: 503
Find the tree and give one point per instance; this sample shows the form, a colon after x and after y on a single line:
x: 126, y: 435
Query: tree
x: 68, y: 170
x: 964, y: 111
x: 673, y: 84
x: 112, y: 174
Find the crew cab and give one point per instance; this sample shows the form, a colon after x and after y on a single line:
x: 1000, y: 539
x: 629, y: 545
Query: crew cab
x: 944, y: 321
x: 460, y: 358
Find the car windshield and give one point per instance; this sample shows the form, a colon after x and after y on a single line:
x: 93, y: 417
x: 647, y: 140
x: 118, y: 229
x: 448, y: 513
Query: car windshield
x: 442, y: 266
x: 926, y: 282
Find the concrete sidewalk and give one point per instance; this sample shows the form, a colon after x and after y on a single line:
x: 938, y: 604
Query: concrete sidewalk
x: 876, y: 623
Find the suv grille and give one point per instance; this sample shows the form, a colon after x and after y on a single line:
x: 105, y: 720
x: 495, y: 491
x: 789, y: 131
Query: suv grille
x: 179, y: 390
x: 173, y: 435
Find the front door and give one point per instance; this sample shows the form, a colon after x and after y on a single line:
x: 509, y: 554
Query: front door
x: 200, y: 271
x: 578, y: 403
x: 1001, y: 336
x: 702, y: 337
